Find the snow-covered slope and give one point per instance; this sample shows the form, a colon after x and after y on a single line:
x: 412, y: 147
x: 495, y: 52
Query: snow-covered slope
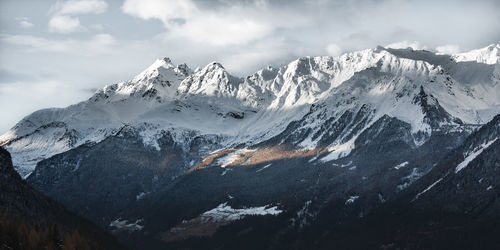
x: 487, y: 55
x: 421, y: 88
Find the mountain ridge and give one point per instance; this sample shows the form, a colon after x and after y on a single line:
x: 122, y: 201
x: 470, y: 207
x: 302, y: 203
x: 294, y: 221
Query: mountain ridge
x: 325, y: 140
x: 270, y: 97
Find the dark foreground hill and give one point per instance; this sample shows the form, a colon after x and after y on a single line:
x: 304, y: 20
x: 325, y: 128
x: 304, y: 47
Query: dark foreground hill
x: 30, y: 220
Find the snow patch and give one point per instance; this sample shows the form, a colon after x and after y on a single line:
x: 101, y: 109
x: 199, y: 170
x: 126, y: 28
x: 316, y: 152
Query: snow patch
x: 339, y: 151
x: 427, y: 189
x: 381, y: 198
x: 472, y: 155
x: 77, y: 166
x: 401, y: 165
x: 304, y: 214
x: 226, y: 171
x: 224, y: 212
x: 413, y: 176
x: 308, y: 143
x: 266, y: 166
x: 351, y: 199
x: 232, y: 157
x: 120, y: 224
x: 346, y: 165
x: 140, y: 196
x: 313, y: 159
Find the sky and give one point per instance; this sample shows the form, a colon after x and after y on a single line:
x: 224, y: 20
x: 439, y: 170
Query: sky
x: 57, y: 53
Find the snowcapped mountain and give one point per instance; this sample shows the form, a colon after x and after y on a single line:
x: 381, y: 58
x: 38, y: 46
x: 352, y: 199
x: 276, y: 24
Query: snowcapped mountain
x: 487, y: 55
x: 421, y: 88
x: 458, y: 197
x: 321, y: 139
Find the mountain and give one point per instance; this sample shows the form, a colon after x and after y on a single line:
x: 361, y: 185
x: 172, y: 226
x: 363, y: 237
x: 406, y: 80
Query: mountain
x: 211, y: 102
x: 454, y: 206
x: 31, y: 220
x: 177, y: 158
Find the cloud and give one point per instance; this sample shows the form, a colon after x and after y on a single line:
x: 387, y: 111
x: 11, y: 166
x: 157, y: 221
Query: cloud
x: 65, y: 24
x: 333, y: 49
x: 36, y: 43
x: 231, y: 25
x: 7, y: 76
x: 24, y: 22
x: 42, y: 93
x: 97, y: 45
x: 103, y: 39
x: 98, y: 27
x: 406, y: 44
x: 77, y: 7
x: 448, y: 49
x: 221, y: 30
x: 244, y: 35
x: 271, y: 51
x: 164, y: 10
x: 63, y: 20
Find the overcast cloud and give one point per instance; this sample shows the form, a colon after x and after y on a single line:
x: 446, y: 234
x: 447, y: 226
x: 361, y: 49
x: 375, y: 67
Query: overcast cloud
x: 54, y: 53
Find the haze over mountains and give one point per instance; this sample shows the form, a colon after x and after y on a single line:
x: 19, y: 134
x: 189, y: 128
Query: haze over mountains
x: 283, y: 158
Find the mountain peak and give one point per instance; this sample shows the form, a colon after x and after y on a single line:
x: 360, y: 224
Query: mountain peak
x: 488, y: 55
x: 214, y: 66
x: 158, y: 82
x: 493, y: 46
x: 213, y: 79
x: 166, y: 63
x: 167, y: 60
